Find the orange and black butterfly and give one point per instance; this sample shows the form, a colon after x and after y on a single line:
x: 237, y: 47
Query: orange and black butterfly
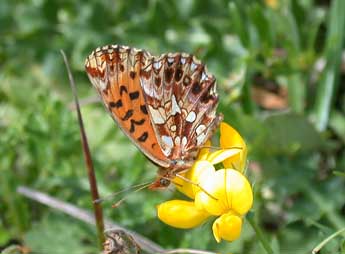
x: 166, y: 105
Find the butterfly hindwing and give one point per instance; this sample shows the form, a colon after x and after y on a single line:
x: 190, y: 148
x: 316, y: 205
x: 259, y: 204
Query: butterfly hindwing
x: 181, y: 100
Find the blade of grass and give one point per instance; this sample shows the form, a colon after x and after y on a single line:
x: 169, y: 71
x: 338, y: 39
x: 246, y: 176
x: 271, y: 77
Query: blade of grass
x: 296, y: 90
x: 259, y: 234
x: 238, y: 23
x: 88, y: 160
x: 247, y: 101
x: 324, y: 242
x: 328, y: 83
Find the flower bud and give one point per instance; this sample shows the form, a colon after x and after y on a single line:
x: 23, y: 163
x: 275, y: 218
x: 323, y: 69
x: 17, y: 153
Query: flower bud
x: 227, y: 227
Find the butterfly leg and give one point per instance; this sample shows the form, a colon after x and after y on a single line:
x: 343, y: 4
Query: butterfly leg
x: 196, y: 184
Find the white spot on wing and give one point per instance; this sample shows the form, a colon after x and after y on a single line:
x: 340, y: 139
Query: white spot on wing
x: 191, y: 117
x: 162, y: 112
x: 173, y: 127
x: 177, y: 140
x: 200, y: 129
x: 174, y: 107
x: 157, y: 64
x: 203, y: 76
x: 168, y: 144
x: 156, y: 115
x: 200, y: 139
x: 193, y: 67
x: 102, y: 84
x: 184, y: 141
x: 167, y: 141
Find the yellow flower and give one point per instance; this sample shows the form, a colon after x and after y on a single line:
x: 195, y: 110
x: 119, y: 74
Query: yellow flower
x: 229, y: 137
x: 227, y: 227
x: 233, y: 154
x: 272, y: 3
x: 225, y: 192
x: 200, y: 168
x: 190, y: 216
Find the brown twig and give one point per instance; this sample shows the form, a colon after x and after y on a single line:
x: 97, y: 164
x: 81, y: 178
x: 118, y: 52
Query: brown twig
x: 88, y: 160
x: 86, y: 216
x: 186, y: 251
x: 80, y: 214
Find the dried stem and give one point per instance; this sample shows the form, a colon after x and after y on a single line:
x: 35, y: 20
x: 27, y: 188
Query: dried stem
x: 88, y: 160
x: 80, y: 214
x: 187, y: 251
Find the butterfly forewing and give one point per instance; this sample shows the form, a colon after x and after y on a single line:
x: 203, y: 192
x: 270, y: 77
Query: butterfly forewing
x: 115, y: 72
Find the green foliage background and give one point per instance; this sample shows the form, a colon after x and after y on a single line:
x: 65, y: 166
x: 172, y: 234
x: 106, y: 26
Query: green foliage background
x: 297, y: 154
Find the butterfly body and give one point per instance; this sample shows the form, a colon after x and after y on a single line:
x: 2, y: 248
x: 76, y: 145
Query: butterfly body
x: 166, y: 105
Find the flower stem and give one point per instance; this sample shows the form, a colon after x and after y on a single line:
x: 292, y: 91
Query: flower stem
x: 259, y: 233
x: 324, y: 242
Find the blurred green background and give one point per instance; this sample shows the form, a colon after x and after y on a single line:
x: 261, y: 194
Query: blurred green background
x: 281, y: 83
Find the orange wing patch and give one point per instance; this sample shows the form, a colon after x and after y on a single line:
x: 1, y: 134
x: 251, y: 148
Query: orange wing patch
x: 114, y: 71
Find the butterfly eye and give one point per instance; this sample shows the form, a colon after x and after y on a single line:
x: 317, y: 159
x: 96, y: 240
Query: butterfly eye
x: 164, y: 182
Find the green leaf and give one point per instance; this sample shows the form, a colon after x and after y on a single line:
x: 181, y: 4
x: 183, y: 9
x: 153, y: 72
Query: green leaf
x: 290, y: 133
x: 60, y: 234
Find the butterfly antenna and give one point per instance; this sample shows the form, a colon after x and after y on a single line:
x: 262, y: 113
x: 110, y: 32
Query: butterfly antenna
x: 118, y: 203
x: 197, y: 185
x: 107, y: 197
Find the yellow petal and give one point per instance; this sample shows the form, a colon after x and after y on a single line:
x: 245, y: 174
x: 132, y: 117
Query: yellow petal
x: 204, y: 151
x: 223, y: 154
x: 227, y: 190
x: 229, y: 137
x: 193, y: 175
x: 181, y: 214
x: 227, y: 227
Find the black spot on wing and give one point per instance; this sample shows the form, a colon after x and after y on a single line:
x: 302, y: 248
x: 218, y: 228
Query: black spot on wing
x: 143, y: 109
x: 158, y: 81
x: 168, y: 74
x: 123, y: 89
x: 122, y: 68
x: 196, y: 88
x: 143, y: 137
x: 117, y: 104
x: 134, y: 95
x: 128, y: 115
x: 133, y: 123
x: 178, y: 74
x: 132, y: 74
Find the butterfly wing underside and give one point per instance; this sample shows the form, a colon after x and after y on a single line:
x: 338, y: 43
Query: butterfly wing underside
x: 115, y: 72
x: 182, y: 100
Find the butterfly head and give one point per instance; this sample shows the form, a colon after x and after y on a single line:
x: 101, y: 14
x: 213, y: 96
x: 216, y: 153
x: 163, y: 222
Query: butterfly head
x: 161, y: 182
x: 166, y: 174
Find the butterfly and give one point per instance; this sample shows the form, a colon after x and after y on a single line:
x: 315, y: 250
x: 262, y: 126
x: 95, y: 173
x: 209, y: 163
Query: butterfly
x: 166, y: 105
